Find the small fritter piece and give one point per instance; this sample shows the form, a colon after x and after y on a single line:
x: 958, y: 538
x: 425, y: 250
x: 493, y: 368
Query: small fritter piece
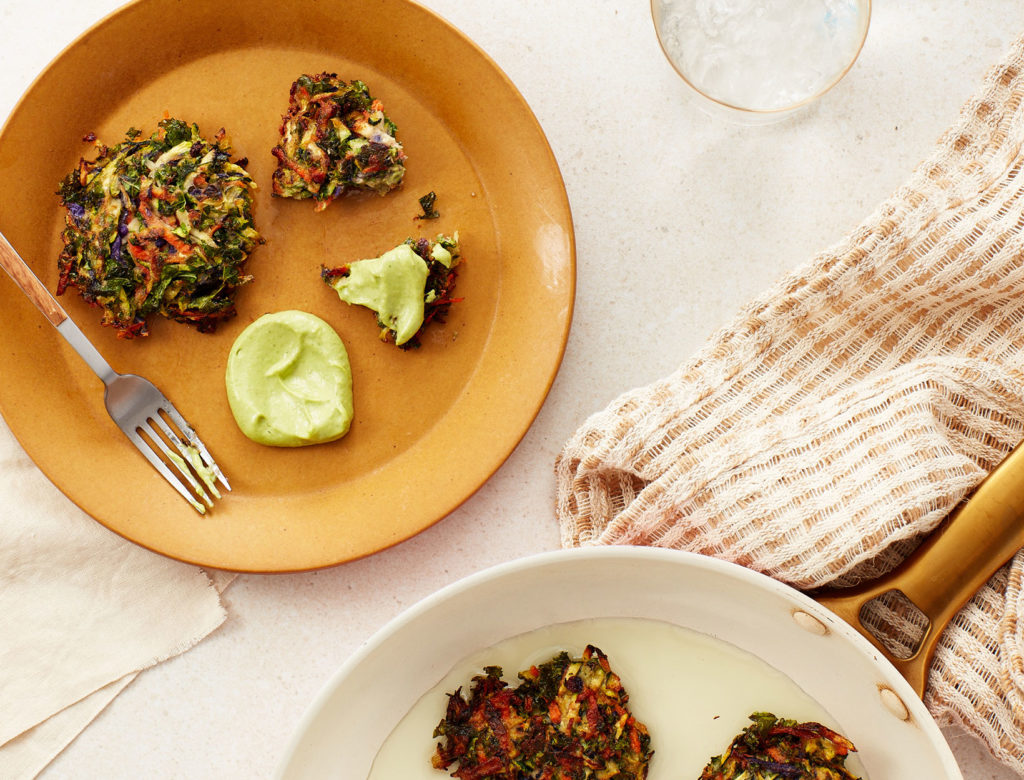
x: 408, y: 287
x: 158, y: 225
x: 779, y: 749
x: 567, y: 720
x: 335, y: 138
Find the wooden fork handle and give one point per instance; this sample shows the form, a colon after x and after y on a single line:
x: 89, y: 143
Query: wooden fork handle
x: 29, y: 283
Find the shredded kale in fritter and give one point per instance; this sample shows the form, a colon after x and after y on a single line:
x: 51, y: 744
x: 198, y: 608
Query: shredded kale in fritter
x: 567, y: 720
x: 774, y: 748
x: 427, y: 205
x: 160, y: 225
x: 335, y: 138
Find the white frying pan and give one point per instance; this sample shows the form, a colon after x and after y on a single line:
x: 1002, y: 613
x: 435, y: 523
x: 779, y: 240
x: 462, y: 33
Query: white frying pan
x: 852, y: 678
x: 874, y: 705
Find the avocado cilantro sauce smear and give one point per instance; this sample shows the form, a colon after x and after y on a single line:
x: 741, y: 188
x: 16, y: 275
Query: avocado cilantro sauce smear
x: 408, y: 286
x: 289, y: 382
x: 207, y: 476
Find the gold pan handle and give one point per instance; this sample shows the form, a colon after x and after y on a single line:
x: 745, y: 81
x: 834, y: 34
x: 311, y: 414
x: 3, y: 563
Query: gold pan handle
x: 950, y: 566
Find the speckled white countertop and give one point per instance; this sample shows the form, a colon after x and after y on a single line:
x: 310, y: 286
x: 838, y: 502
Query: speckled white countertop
x: 673, y: 234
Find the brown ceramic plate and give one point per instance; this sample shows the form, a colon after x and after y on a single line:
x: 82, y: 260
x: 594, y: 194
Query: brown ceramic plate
x: 431, y: 425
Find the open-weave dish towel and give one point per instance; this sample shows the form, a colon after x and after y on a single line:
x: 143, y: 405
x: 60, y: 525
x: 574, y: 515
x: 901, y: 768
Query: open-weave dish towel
x: 848, y: 409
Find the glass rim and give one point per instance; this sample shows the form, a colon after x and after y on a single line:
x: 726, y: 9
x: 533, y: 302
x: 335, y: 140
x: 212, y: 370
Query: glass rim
x: 764, y: 111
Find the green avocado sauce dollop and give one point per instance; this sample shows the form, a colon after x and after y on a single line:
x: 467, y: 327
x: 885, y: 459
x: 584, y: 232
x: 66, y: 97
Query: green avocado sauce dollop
x: 289, y: 382
x: 391, y: 285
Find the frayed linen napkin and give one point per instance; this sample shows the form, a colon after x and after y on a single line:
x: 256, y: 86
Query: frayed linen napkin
x: 849, y: 409
x: 82, y: 611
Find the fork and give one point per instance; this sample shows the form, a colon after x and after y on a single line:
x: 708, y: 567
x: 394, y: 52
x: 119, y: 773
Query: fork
x: 138, y: 407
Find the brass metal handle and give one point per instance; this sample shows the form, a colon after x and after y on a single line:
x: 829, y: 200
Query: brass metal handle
x: 950, y: 566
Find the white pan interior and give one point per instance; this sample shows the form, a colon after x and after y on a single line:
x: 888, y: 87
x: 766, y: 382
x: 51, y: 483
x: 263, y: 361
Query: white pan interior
x: 341, y: 733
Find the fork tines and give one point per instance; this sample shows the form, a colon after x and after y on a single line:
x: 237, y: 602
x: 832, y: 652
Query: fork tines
x: 156, y: 436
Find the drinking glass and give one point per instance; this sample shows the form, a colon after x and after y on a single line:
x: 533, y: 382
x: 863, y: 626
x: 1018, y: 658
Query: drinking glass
x: 761, y: 60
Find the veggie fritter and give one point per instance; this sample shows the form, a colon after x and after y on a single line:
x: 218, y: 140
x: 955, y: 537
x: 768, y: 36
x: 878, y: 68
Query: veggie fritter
x: 158, y: 225
x: 335, y: 138
x: 408, y: 287
x: 567, y: 720
x: 778, y: 749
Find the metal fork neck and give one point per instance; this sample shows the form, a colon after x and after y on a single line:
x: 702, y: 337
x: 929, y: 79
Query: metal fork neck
x: 74, y: 336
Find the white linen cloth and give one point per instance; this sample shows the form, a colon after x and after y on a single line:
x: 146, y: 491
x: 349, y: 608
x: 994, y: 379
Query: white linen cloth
x: 82, y: 611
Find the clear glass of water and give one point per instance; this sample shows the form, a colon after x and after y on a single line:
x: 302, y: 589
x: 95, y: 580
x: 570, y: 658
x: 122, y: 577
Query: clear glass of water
x: 761, y: 60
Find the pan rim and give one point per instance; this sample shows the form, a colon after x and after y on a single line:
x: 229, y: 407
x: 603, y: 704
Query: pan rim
x: 561, y: 566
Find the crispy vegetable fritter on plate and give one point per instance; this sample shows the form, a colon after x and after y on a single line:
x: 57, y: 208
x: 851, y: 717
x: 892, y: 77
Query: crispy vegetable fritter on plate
x: 335, y: 138
x: 566, y: 720
x: 774, y: 748
x: 158, y: 225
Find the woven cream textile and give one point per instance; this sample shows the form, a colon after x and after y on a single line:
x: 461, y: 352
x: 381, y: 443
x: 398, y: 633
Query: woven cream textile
x: 847, y: 410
